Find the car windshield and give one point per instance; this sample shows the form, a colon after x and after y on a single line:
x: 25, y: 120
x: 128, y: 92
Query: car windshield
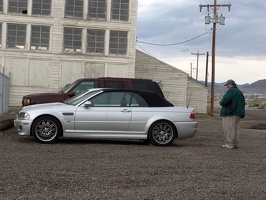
x: 81, y: 97
x: 67, y: 87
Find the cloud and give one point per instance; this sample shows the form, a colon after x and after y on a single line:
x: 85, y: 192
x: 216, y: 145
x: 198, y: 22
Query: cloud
x: 168, y: 22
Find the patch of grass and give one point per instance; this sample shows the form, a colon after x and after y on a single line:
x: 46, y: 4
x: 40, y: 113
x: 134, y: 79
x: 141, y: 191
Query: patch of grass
x: 262, y: 106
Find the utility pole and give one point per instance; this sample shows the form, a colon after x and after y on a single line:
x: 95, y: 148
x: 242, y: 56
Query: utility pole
x: 207, y: 65
x: 197, y: 69
x: 215, y: 19
x: 191, y: 70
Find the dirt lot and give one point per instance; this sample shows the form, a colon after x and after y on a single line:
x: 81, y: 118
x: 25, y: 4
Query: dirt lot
x: 195, y: 168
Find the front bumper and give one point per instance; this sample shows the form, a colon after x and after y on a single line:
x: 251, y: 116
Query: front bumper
x: 22, y: 126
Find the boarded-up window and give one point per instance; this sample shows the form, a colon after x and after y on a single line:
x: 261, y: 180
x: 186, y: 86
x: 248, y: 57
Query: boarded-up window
x: 40, y: 38
x: 95, y: 41
x: 18, y: 6
x: 72, y: 40
x: 118, y: 42
x: 1, y: 5
x: 74, y: 9
x: 41, y: 7
x: 0, y: 34
x: 120, y: 10
x: 16, y: 36
x: 97, y: 9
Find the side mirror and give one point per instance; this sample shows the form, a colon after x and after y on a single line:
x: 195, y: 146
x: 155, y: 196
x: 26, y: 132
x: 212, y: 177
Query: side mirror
x: 88, y: 104
x: 71, y: 94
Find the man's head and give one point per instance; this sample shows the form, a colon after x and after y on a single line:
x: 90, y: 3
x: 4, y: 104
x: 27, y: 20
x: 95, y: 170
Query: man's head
x: 230, y: 83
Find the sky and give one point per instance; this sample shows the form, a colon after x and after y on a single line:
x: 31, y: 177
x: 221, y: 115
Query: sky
x: 173, y: 30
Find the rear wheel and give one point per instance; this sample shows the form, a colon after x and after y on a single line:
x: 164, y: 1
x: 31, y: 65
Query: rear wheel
x: 46, y: 129
x: 162, y: 133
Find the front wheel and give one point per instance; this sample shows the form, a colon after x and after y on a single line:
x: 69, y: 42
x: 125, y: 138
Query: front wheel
x: 46, y: 129
x: 162, y: 133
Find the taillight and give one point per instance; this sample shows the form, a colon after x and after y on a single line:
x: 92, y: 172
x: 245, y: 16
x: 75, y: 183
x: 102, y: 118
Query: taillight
x: 192, y: 115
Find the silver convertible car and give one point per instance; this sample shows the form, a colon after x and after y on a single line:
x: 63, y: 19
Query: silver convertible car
x: 108, y: 114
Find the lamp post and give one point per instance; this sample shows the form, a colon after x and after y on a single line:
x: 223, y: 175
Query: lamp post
x: 215, y: 19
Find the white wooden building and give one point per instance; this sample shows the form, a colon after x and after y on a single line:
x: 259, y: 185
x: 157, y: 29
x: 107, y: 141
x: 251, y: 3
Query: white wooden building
x: 177, y: 86
x: 47, y: 44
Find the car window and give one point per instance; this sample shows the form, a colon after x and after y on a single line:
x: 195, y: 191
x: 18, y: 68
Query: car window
x: 138, y: 101
x: 67, y: 87
x: 85, y: 85
x: 111, y: 99
x: 114, y: 84
x: 118, y: 99
x: 81, y: 97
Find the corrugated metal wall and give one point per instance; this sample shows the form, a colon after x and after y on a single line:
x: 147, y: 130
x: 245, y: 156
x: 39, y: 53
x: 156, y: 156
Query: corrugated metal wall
x: 4, y: 90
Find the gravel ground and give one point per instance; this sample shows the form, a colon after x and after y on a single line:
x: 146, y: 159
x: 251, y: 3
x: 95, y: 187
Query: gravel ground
x: 195, y: 168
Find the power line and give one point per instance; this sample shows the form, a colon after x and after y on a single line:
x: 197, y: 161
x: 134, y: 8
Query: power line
x: 144, y: 50
x: 197, y: 69
x: 173, y: 43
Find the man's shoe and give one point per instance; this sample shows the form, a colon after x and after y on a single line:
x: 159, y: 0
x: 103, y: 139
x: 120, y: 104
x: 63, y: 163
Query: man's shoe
x: 227, y: 146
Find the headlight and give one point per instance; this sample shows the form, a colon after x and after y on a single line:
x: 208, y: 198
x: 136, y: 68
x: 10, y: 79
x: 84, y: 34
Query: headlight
x: 23, y: 115
x: 26, y: 102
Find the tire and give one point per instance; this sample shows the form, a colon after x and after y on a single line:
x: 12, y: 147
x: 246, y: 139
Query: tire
x: 46, y: 129
x: 162, y: 133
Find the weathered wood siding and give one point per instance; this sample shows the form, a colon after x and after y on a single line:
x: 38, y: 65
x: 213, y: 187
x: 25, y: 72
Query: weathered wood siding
x: 197, y: 96
x: 35, y: 71
x: 175, y: 84
x: 172, y: 81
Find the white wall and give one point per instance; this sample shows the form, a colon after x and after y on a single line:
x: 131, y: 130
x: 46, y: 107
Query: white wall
x: 175, y: 84
x: 35, y: 71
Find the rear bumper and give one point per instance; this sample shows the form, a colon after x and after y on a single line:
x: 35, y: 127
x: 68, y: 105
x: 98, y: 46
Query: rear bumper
x: 186, y: 129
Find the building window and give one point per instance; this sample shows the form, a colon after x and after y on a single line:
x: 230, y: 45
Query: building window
x: 74, y: 9
x: 16, y: 36
x: 41, y: 7
x: 97, y: 9
x: 1, y: 5
x: 40, y: 38
x: 18, y: 6
x: 120, y: 10
x: 95, y: 41
x: 118, y: 42
x: 72, y: 40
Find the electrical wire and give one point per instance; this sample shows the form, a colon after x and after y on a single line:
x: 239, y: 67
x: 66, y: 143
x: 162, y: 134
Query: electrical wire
x: 173, y: 44
x: 144, y: 50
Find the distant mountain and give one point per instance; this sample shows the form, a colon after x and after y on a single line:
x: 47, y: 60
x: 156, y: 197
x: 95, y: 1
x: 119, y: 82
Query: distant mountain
x: 258, y: 87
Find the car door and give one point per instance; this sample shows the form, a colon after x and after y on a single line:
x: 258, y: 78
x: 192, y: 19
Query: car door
x: 108, y: 116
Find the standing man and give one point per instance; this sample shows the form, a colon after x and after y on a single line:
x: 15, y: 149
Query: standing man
x: 233, y: 109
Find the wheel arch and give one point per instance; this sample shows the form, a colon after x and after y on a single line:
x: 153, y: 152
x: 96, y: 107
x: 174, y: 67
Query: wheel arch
x: 44, y: 115
x: 162, y: 120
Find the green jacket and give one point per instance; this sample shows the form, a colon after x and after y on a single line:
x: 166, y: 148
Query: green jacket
x: 233, y: 103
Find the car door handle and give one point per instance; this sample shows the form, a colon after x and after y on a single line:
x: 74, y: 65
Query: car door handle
x: 125, y: 110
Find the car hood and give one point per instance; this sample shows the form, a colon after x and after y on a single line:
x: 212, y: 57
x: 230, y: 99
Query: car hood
x: 53, y: 109
x: 45, y: 98
x: 45, y: 106
x: 42, y: 94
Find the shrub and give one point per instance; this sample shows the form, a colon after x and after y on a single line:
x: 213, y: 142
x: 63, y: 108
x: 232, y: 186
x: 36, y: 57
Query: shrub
x: 262, y: 105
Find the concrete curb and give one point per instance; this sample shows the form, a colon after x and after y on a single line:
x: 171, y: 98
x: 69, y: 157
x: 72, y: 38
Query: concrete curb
x: 7, y: 120
x: 6, y: 124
